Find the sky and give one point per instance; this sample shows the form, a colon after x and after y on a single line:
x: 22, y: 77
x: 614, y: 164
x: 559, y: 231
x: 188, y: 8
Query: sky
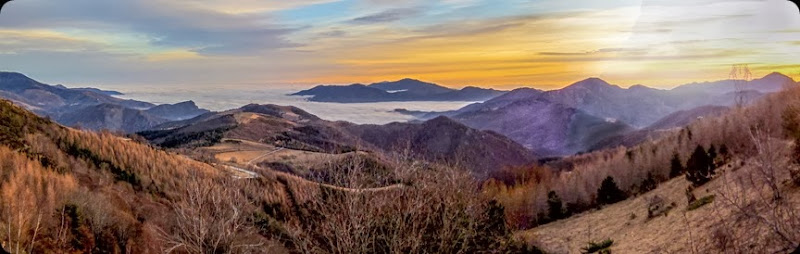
x: 500, y: 44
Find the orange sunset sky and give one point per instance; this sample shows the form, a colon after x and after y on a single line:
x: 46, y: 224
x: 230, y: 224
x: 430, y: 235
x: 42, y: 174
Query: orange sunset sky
x: 502, y: 44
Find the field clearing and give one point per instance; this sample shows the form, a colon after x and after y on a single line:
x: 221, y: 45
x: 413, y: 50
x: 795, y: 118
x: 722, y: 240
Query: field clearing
x: 245, y: 153
x: 240, y: 156
x: 303, y: 159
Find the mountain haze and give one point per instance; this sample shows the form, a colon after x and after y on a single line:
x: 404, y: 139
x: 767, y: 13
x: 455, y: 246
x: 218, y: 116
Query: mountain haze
x: 591, y: 114
x: 90, y: 107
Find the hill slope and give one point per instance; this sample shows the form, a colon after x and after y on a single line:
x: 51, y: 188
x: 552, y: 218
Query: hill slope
x: 442, y: 139
x: 65, y: 190
x: 745, y: 203
x: 546, y: 128
x: 291, y: 128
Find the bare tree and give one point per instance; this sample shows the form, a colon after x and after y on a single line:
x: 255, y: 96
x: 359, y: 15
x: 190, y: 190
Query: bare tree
x: 210, y: 216
x: 754, y: 195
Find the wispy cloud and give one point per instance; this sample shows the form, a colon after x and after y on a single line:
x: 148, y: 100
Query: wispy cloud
x: 387, y: 16
x: 162, y: 23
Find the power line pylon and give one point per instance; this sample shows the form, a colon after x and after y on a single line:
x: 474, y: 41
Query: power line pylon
x: 741, y: 75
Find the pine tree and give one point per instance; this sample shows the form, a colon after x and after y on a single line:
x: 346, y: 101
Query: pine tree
x: 609, y: 192
x: 700, y: 167
x: 712, y: 154
x: 724, y: 152
x: 676, y: 167
x: 648, y: 183
x: 555, y: 206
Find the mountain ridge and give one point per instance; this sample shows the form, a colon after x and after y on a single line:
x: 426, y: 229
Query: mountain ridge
x: 292, y: 128
x: 90, y: 108
x: 401, y: 90
x: 602, y: 105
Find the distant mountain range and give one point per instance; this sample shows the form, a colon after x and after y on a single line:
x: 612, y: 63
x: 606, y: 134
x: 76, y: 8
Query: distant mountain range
x: 401, y: 90
x: 90, y: 107
x: 592, y: 113
x: 588, y: 115
x: 92, y: 89
x: 437, y: 140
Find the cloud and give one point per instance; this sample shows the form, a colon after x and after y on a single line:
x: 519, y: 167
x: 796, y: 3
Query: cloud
x: 160, y: 22
x: 594, y: 52
x: 387, y: 16
x: 251, y: 6
x: 448, y: 41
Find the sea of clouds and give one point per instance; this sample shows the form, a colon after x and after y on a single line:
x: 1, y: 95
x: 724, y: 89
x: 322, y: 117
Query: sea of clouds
x: 219, y: 98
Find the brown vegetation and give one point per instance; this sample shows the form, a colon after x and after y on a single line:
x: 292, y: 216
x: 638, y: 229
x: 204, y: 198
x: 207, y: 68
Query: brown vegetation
x: 748, y: 205
x: 577, y: 179
x: 71, y: 191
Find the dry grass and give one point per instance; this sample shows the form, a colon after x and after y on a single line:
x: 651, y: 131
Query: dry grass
x: 576, y: 179
x: 680, y: 231
x: 240, y: 156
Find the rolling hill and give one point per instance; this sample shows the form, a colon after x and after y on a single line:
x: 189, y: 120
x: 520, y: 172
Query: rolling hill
x: 437, y: 140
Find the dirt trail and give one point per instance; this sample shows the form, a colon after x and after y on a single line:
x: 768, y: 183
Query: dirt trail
x: 351, y: 190
x: 264, y: 155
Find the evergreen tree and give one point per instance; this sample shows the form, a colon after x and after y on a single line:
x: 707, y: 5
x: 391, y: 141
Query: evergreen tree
x: 555, y: 206
x: 712, y: 154
x: 609, y: 192
x: 724, y: 152
x: 493, y: 227
x: 648, y: 183
x: 700, y: 167
x: 676, y: 167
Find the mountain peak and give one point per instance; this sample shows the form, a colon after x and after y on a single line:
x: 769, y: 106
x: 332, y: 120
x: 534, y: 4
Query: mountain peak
x: 591, y: 83
x: 13, y: 75
x: 405, y: 81
x: 777, y: 76
x: 639, y: 87
x: 410, y: 80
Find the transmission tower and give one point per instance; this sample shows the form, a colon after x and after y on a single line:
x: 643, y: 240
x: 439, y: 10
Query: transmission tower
x: 741, y: 75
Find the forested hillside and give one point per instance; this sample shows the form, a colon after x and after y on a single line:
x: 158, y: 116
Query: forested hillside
x: 65, y: 190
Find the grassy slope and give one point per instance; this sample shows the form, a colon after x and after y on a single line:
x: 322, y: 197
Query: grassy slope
x: 627, y: 224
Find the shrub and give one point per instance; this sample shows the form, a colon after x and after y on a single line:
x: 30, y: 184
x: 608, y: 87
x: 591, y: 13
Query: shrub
x: 657, y: 206
x: 609, y: 192
x: 700, y: 202
x: 602, y: 247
